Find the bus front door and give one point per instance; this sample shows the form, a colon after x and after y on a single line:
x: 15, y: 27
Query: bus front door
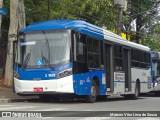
x: 127, y: 69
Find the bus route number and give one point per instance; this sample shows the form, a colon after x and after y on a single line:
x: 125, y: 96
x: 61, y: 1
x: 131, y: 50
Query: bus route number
x: 50, y: 75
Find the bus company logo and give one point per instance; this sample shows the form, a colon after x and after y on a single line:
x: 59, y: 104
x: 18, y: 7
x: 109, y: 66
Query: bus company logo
x: 88, y: 79
x: 6, y: 114
x: 22, y: 114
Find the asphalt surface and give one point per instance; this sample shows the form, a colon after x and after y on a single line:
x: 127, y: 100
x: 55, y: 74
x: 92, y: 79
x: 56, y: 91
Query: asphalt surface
x: 80, y: 110
x: 7, y: 96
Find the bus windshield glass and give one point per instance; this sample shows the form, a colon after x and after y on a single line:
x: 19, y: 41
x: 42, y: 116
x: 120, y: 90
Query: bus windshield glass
x: 156, y: 68
x: 43, y: 48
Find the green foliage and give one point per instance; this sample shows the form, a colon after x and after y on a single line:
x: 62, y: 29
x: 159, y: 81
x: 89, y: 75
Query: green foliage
x: 101, y: 12
x: 5, y: 26
x: 144, y: 12
x: 153, y: 42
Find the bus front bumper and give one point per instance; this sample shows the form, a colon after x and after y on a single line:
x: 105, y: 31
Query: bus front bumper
x: 62, y: 85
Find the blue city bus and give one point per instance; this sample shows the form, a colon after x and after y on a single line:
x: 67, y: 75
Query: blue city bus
x: 74, y: 57
x: 156, y: 72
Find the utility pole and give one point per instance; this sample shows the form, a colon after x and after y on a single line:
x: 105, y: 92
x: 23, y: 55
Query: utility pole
x: 121, y: 5
x: 120, y: 13
x: 48, y: 15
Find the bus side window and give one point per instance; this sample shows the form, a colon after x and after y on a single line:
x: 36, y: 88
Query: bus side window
x: 118, y: 58
x: 93, y: 52
x: 101, y: 51
x: 81, y: 49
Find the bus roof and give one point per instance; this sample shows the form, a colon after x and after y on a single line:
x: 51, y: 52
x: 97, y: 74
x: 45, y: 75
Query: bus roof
x: 83, y: 27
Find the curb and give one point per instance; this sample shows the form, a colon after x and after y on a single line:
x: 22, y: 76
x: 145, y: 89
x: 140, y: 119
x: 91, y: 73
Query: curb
x: 7, y: 100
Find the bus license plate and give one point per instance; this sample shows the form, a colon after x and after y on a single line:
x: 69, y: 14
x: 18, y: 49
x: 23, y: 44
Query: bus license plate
x: 38, y: 89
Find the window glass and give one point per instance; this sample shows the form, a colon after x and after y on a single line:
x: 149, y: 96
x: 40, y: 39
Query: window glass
x: 118, y: 58
x: 93, y: 52
x: 140, y: 59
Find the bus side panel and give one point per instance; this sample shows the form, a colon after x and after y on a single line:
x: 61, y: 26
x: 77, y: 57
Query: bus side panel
x: 143, y: 76
x: 82, y: 82
x: 101, y: 78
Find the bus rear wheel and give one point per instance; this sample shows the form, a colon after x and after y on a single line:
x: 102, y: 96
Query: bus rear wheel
x: 92, y: 97
x: 137, y: 91
x: 136, y: 94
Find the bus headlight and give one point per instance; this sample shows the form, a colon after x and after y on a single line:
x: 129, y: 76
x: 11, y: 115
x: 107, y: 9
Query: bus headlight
x: 64, y: 73
x: 16, y: 75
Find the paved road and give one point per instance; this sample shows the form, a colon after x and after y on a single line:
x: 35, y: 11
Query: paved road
x: 144, y: 103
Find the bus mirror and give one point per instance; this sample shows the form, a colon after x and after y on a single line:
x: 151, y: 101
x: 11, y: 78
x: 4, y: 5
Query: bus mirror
x: 80, y: 48
x: 80, y: 51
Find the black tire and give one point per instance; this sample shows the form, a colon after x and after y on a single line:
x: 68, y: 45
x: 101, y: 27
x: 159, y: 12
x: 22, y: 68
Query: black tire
x: 94, y: 90
x: 137, y: 91
x: 136, y: 94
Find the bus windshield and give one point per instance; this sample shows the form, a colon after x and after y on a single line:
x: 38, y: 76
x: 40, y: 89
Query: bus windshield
x: 156, y: 68
x: 40, y: 48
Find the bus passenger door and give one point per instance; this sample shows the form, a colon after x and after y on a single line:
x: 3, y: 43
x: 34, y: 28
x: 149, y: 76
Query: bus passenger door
x: 127, y: 69
x: 108, y: 61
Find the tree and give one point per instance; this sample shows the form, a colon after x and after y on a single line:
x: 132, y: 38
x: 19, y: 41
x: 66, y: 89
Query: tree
x: 144, y: 12
x: 17, y: 21
x: 101, y: 13
x: 153, y: 42
x: 1, y: 5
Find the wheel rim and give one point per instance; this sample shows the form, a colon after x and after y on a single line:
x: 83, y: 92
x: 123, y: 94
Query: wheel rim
x: 93, y: 91
x: 137, y: 91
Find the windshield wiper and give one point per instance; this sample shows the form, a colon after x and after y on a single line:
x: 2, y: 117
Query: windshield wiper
x: 26, y: 61
x: 44, y: 58
x: 47, y: 43
x: 47, y: 61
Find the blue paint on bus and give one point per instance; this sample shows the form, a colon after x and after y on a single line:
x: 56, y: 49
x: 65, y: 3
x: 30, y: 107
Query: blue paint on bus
x: 82, y: 82
x: 78, y: 25
x: 40, y: 73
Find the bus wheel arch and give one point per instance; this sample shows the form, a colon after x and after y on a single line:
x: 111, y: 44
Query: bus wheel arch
x: 137, y: 88
x: 136, y: 93
x: 94, y: 90
x: 96, y: 80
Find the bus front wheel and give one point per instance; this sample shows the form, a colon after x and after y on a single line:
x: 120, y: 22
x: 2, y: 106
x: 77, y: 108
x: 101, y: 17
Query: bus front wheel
x: 93, y: 93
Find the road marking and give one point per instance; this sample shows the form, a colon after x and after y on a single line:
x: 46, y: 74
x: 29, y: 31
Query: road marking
x: 95, y: 118
x: 51, y: 109
x: 48, y: 118
x: 5, y: 105
x: 14, y: 108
